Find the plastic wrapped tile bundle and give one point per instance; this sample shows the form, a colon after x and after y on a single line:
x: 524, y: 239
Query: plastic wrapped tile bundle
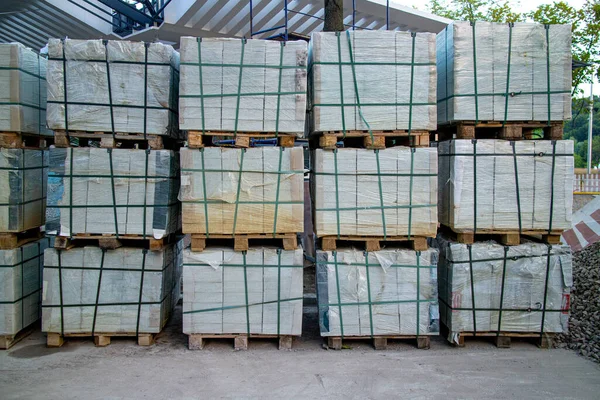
x: 522, y: 288
x: 501, y: 185
x: 232, y: 191
x: 112, y: 86
x: 387, y: 292
x: 363, y: 80
x: 113, y: 191
x: 254, y: 292
x: 504, y: 72
x: 22, y: 90
x: 389, y: 192
x: 127, y: 290
x: 21, y: 286
x: 23, y: 175
x: 239, y: 85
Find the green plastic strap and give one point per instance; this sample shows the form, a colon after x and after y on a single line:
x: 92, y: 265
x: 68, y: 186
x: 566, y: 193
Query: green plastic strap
x: 22, y: 168
x: 414, y: 104
x: 60, y: 288
x: 337, y: 284
x: 547, y: 28
x: 237, y: 195
x: 71, y: 192
x: 371, y: 174
x: 246, y: 293
x: 108, y: 176
x: 472, y: 289
x: 388, y: 63
x: 101, y: 61
x: 410, y: 192
x: 261, y: 66
x: 250, y: 94
x: 475, y: 75
x: 146, y: 45
x: 240, y: 306
x: 277, y: 192
x: 134, y: 106
x: 474, y: 141
x: 381, y: 195
x: 38, y: 75
x: 199, y: 40
x: 488, y: 260
x: 39, y: 97
x: 410, y: 266
x: 368, y: 293
x: 541, y: 154
x: 23, y: 287
x: 20, y: 103
x: 279, y: 172
x: 22, y: 261
x: 397, y: 207
x: 98, y: 292
x: 124, y: 205
x: 418, y: 254
x: 235, y: 265
x: 112, y: 117
x: 502, y: 292
x: 337, y: 194
x: 512, y: 144
x: 204, y: 184
x: 498, y: 94
x: 279, y: 89
x: 506, y: 94
x: 139, y: 311
x: 412, y: 81
x: 237, y: 107
x: 552, y: 187
x: 23, y: 297
x: 525, y: 310
x: 114, y: 195
x: 545, y: 290
x: 66, y: 102
x: 339, y: 47
x: 446, y: 65
x: 278, y: 292
x: 145, y: 190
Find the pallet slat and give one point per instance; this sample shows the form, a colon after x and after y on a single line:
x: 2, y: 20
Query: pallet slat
x: 505, y: 237
x: 373, y: 243
x: 100, y: 339
x: 508, y: 131
x: 110, y: 242
x: 12, y: 240
x: 376, y: 140
x: 379, y: 342
x: 242, y: 139
x: 241, y: 242
x: 197, y: 341
x: 16, y: 140
x: 107, y: 140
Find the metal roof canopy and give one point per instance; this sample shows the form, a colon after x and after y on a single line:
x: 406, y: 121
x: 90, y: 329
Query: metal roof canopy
x: 32, y: 22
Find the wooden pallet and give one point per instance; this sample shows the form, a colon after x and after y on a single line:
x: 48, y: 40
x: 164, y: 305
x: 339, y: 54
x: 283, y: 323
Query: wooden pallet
x: 197, y: 139
x: 379, y: 341
x: 241, y: 242
x: 8, y: 341
x: 107, y: 140
x: 373, y: 243
x: 502, y: 340
x: 111, y: 242
x: 379, y: 140
x: 12, y: 240
x: 15, y: 140
x: 496, y: 130
x: 197, y: 341
x: 505, y: 237
x: 101, y: 339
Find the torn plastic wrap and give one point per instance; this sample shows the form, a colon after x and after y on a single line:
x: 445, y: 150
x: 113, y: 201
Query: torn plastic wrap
x: 239, y: 85
x: 232, y: 191
x: 504, y: 72
x: 254, y: 292
x: 501, y: 185
x: 362, y: 80
x: 22, y: 90
x: 127, y: 290
x: 387, y: 292
x: 21, y: 286
x: 113, y: 191
x: 524, y: 288
x: 23, y: 175
x: 389, y: 192
x: 143, y: 92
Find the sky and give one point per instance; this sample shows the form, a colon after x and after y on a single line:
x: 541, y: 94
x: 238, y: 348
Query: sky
x: 520, y: 6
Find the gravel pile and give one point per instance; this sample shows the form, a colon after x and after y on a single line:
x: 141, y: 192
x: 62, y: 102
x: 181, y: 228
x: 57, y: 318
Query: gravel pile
x: 584, y: 323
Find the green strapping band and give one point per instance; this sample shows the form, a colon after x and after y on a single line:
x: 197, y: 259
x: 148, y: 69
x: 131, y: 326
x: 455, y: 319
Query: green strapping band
x: 502, y: 291
x: 237, y: 202
x: 472, y: 289
x: 278, y: 291
x: 113, y: 61
x: 65, y: 91
x: 237, y: 107
x: 199, y: 40
x: 381, y: 195
x: 510, y: 26
x: 237, y: 195
x: 337, y: 194
x: 546, y: 290
x: 22, y: 203
x: 236, y: 171
x: 60, y: 286
x: 204, y: 183
x: 418, y: 255
x: 279, y: 91
x: 337, y: 34
x: 70, y: 188
x: 547, y: 27
x: 139, y: 311
x: 193, y: 64
x: 98, y: 292
x: 373, y: 104
x: 20, y: 103
x: 277, y: 191
x: 412, y: 81
x: 24, y: 71
x: 224, y: 308
x: 196, y: 96
x: 145, y: 93
x: 399, y: 63
x: 374, y: 207
x: 552, y: 187
x: 337, y: 284
x: 371, y: 174
x: 371, y: 265
x: 246, y: 293
x: 502, y: 94
x: 517, y: 185
x: 369, y: 293
x: 475, y: 75
x: 114, y: 195
x: 410, y: 192
x: 145, y: 188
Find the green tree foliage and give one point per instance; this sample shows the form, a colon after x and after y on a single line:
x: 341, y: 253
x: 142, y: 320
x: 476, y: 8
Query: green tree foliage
x: 577, y: 130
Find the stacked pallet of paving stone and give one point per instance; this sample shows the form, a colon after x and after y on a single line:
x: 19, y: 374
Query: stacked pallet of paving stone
x: 23, y: 171
x: 116, y: 263
x: 242, y: 93
x: 497, y: 83
x: 375, y: 93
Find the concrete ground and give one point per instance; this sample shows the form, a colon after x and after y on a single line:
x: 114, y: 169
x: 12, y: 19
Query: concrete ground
x: 168, y: 370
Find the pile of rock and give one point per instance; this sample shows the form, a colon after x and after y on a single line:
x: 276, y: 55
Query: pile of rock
x: 584, y: 324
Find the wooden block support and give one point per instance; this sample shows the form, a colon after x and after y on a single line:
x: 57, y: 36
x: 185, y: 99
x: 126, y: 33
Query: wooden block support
x: 420, y: 244
x: 419, y: 141
x: 195, y: 140
x: 380, y: 343
x: 545, y: 342
x: 328, y: 244
x: 240, y: 243
x: 242, y: 141
x: 377, y: 142
x: 54, y: 340
x: 107, y: 142
x: 285, y: 342
x: 156, y: 142
x: 328, y: 142
x: 510, y: 239
x: 156, y: 244
x: 511, y: 132
x: 240, y: 342
x: 423, y: 342
x: 502, y: 342
x: 145, y: 339
x: 287, y: 141
x: 11, y: 140
x: 551, y: 239
x: 290, y: 242
x: 101, y: 341
x: 8, y: 240
x: 466, y: 237
x: 196, y: 342
x: 109, y: 243
x: 372, y: 245
x: 334, y: 343
x: 465, y: 132
x: 198, y: 243
x: 554, y: 132
x: 61, y: 140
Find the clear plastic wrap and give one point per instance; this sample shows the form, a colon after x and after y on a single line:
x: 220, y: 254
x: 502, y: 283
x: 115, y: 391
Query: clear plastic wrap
x: 387, y: 292
x: 361, y: 192
x: 23, y: 176
x: 509, y: 278
x: 113, y: 191
x: 126, y: 290
x: 135, y: 70
x: 254, y: 292
x: 21, y: 286
x: 543, y: 201
x: 392, y: 73
x: 232, y: 191
x: 22, y: 90
x: 480, y: 79
x: 273, y: 72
